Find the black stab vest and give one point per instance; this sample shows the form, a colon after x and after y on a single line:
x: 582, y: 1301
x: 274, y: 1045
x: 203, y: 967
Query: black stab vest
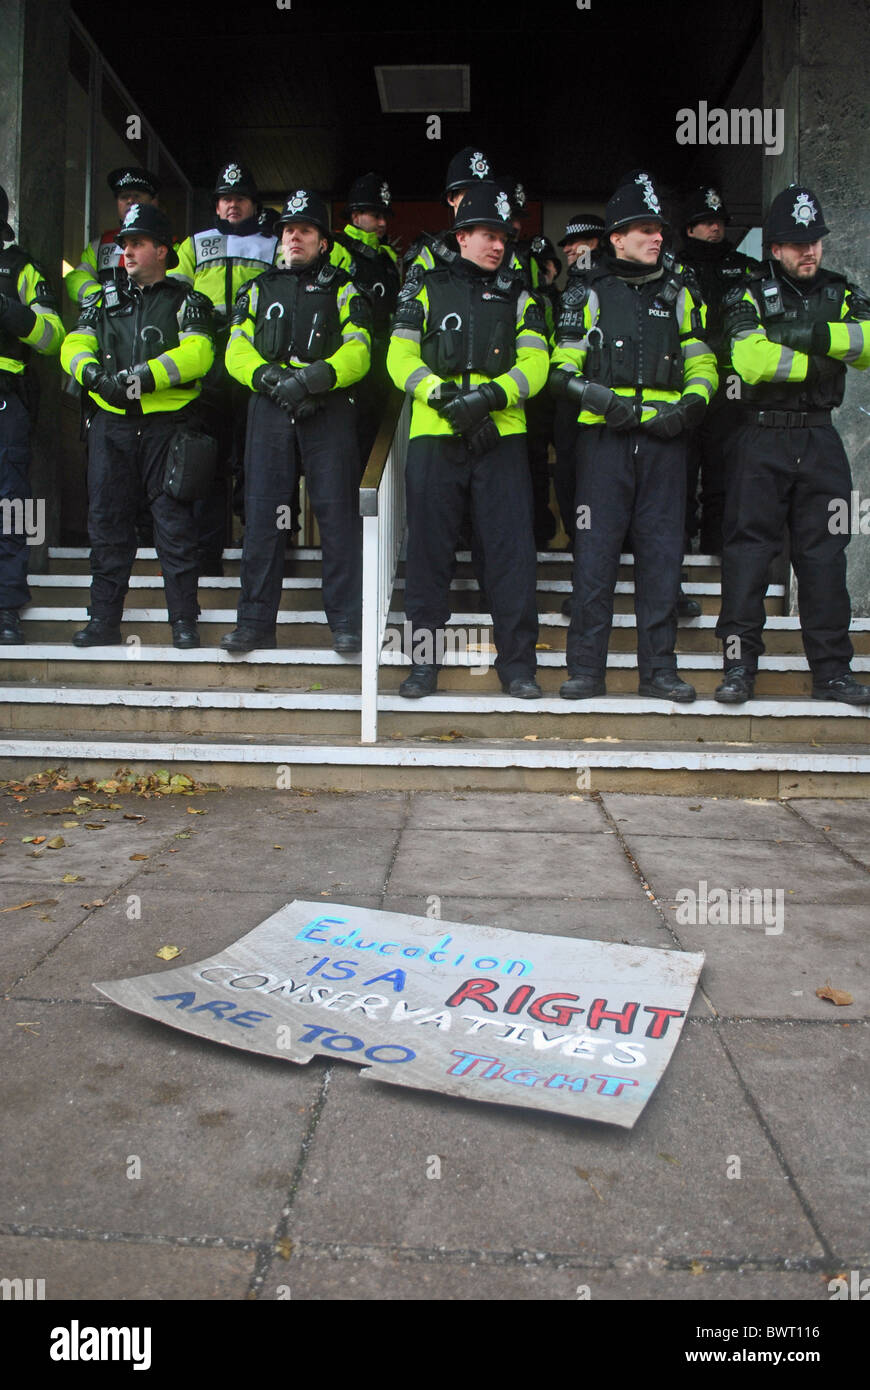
x: 636, y: 339
x: 297, y: 315
x: 472, y: 322
x: 139, y: 325
x: 780, y: 302
x: 378, y: 276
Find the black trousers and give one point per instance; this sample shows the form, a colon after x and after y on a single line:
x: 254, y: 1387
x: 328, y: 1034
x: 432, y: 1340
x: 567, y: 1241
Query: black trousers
x: 329, y: 453
x: 539, y: 431
x: 126, y: 464
x: 14, y: 486
x: 707, y: 463
x: 441, y: 476
x: 782, y: 478
x: 221, y: 409
x: 371, y: 396
x: 565, y: 429
x: 627, y: 481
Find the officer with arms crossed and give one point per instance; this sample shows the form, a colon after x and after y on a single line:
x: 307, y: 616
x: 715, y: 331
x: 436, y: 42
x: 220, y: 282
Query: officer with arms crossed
x: 469, y: 345
x: 374, y: 270
x: 140, y: 351
x: 631, y: 357
x: 793, y: 332
x: 29, y: 319
x: 101, y: 259
x: 217, y: 262
x: 301, y: 335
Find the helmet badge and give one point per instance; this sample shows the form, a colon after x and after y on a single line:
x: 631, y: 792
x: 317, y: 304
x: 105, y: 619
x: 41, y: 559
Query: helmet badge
x: 479, y: 165
x: 713, y: 200
x: 298, y: 202
x: 503, y: 207
x: 804, y: 210
x: 232, y: 174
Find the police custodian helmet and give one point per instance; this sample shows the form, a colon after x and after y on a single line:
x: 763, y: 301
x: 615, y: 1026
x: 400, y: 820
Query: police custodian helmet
x: 370, y: 193
x: 795, y: 215
x: 486, y: 204
x: 148, y: 220
x: 637, y: 201
x: 305, y: 206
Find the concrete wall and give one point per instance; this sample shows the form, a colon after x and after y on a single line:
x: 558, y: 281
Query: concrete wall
x: 816, y: 60
x: 33, y: 79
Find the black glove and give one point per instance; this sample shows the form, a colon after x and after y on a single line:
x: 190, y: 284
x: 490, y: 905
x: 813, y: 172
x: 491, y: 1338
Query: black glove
x: 672, y: 418
x: 471, y: 408
x: 317, y: 378
x: 812, y: 338
x: 447, y: 391
x: 738, y: 317
x: 115, y: 390
x: 266, y: 378
x: 145, y: 377
x: 310, y: 406
x: 481, y: 437
x: 619, y: 412
x: 91, y: 376
x: 289, y: 392
x: 16, y: 317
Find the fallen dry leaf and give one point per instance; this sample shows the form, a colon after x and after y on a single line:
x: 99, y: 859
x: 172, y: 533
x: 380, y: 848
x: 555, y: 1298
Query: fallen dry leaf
x: 98, y: 902
x: 168, y: 952
x: 284, y: 1248
x: 34, y: 902
x: 132, y: 815
x: 72, y: 878
x: 95, y: 825
x: 836, y: 996
x: 193, y: 811
x: 57, y: 843
x: 71, y: 824
x: 140, y: 856
x: 530, y: 738
x: 696, y: 1267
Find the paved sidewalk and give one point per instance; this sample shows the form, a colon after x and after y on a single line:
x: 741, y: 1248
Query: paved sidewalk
x: 259, y: 1178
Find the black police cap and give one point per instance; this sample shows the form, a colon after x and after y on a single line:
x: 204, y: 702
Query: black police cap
x: 305, y: 206
x: 795, y: 215
x: 466, y: 168
x: 583, y: 224
x: 129, y: 178
x: 6, y: 231
x: 147, y: 220
x: 545, y: 251
x: 702, y: 202
x: 486, y: 204
x: 234, y: 178
x: 370, y: 193
x: 637, y: 201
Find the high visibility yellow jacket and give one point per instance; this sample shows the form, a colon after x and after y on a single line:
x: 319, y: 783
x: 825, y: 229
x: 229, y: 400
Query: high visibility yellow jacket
x: 21, y: 279
x: 455, y: 323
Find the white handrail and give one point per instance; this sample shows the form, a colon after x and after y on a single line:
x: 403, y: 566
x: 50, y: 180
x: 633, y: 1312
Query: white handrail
x: 383, y: 512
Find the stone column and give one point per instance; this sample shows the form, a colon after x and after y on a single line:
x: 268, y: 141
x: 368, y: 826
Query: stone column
x: 34, y: 58
x: 816, y: 61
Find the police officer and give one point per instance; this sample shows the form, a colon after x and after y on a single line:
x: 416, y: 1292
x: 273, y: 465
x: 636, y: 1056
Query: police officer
x: 469, y: 346
x: 631, y: 358
x: 375, y: 271
x: 469, y: 166
x: 29, y: 319
x: 101, y: 259
x: 217, y: 262
x: 793, y: 330
x: 718, y: 267
x: 582, y: 234
x: 301, y: 336
x: 581, y: 241
x: 140, y: 350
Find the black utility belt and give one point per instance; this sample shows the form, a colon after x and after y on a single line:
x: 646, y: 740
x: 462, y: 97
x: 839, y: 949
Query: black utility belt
x: 787, y: 419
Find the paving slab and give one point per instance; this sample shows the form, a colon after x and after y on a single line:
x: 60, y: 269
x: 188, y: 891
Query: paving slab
x: 119, y: 1271
x: 28, y: 934
x: 635, y: 923
x: 706, y: 817
x: 109, y: 946
x: 217, y: 1132
x: 751, y: 972
x: 515, y: 1180
x: 392, y: 1275
x: 301, y: 859
x: 849, y: 819
x: 811, y: 1084
x: 506, y: 811
x: 805, y: 872
x: 358, y: 810
x: 538, y: 864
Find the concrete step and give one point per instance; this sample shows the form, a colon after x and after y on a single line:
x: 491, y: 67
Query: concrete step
x: 768, y: 770
x: 326, y: 713
x: 52, y: 664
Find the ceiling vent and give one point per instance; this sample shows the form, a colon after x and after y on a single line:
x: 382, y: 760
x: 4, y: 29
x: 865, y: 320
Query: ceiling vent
x: 429, y: 87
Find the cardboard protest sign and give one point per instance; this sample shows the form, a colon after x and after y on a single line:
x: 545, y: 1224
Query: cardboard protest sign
x: 549, y: 1022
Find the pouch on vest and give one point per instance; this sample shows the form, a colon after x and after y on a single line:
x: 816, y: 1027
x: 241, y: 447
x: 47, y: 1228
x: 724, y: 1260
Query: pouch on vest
x: 500, y: 351
x: 442, y: 350
x: 272, y: 334
x: 191, y: 466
